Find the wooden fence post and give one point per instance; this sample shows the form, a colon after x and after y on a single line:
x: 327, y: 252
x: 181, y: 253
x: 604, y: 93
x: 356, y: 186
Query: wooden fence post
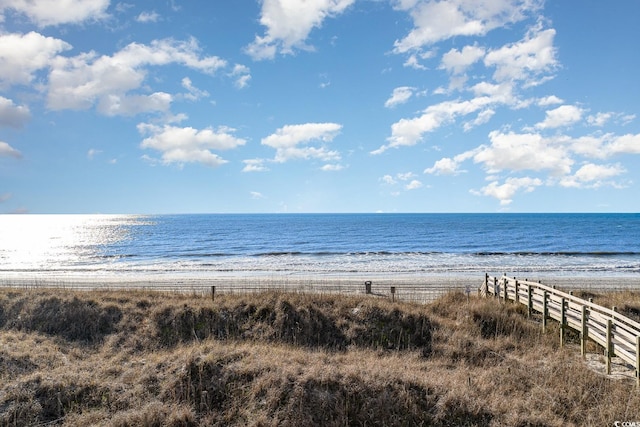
x: 367, y: 287
x: 584, y: 332
x: 544, y: 312
x: 607, y: 349
x: 495, y: 286
x: 530, y: 301
x: 562, y: 321
x: 517, y: 296
x: 393, y: 294
x: 213, y: 293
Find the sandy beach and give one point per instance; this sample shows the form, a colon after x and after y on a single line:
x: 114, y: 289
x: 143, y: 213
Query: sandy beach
x: 407, y: 287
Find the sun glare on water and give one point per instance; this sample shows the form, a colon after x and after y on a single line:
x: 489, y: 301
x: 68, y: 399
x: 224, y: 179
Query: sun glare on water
x: 51, y: 242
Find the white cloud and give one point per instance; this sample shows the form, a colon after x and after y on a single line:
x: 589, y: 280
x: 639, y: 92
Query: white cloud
x: 518, y: 152
x: 4, y: 197
x: 565, y: 115
x: 505, y: 192
x: 593, y: 176
x: 439, y: 20
x: 21, y: 55
x: 332, y: 167
x: 399, y: 96
x: 242, y: 74
x: 482, y: 118
x: 525, y: 60
x: 193, y: 93
x: 84, y: 80
x: 457, y: 62
x: 549, y: 100
x: 625, y: 144
x: 47, y: 12
x: 12, y: 115
x: 413, y: 185
x: 188, y: 145
x: 257, y: 195
x: 290, y: 141
x: 146, y: 17
x: 130, y: 105
x: 408, y: 132
x: 254, y: 165
x: 599, y: 119
x: 288, y: 24
x: 8, y: 151
x: 449, y: 166
x: 92, y: 153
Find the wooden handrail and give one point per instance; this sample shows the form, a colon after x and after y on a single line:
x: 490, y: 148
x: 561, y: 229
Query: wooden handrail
x: 618, y: 334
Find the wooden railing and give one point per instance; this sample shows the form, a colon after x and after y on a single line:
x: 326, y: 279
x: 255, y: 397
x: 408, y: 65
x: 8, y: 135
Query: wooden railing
x: 617, y: 334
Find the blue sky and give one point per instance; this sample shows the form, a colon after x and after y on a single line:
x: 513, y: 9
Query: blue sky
x: 171, y: 106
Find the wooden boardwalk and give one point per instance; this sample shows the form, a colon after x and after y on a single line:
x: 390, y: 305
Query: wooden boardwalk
x: 617, y: 334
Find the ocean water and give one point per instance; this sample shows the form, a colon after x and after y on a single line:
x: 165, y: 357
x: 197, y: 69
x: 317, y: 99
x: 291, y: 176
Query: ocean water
x: 320, y: 244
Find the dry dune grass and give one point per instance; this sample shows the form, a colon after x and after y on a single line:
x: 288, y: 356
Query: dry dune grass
x: 274, y: 359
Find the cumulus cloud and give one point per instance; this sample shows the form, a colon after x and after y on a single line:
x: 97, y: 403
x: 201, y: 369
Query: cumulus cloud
x: 525, y: 60
x: 46, y: 12
x: 21, y: 55
x: 449, y: 166
x: 288, y: 24
x: 399, y: 96
x: 457, y: 61
x: 565, y: 115
x: 80, y: 82
x: 505, y: 192
x: 12, y: 115
x: 413, y: 185
x: 519, y: 152
x: 593, y: 176
x: 8, y: 151
x: 291, y: 141
x: 182, y: 145
x: 435, y: 21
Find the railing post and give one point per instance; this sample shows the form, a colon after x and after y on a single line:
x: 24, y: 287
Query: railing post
x: 544, y: 312
x: 638, y: 360
x: 584, y: 333
x: 495, y: 286
x: 562, y: 321
x: 530, y: 301
x: 607, y: 349
x: 517, y: 297
x: 506, y: 285
x: 213, y: 293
